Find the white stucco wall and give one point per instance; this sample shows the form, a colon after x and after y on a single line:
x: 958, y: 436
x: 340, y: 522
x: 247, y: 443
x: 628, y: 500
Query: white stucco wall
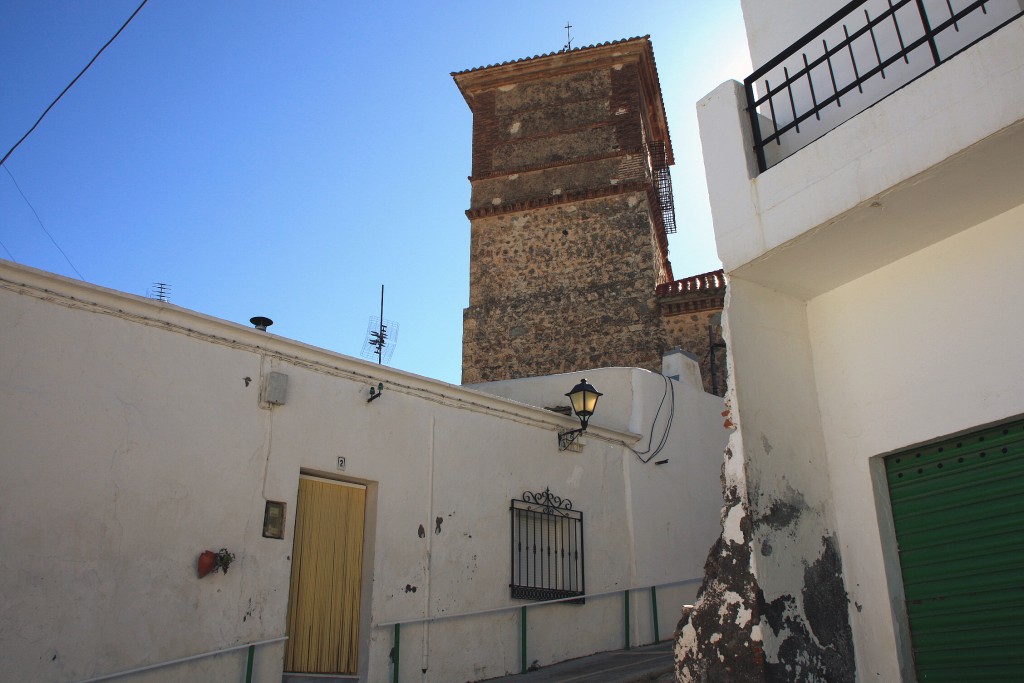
x: 132, y: 442
x: 872, y: 304
x: 926, y: 347
x: 779, y: 442
x: 654, y: 409
x: 923, y: 348
x: 773, y: 25
x: 896, y: 144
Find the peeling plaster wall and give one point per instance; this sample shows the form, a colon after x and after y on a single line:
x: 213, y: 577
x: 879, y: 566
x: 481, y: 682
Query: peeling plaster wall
x: 788, y: 484
x: 720, y: 638
x: 134, y: 439
x: 801, y: 545
x: 872, y: 306
x: 777, y: 560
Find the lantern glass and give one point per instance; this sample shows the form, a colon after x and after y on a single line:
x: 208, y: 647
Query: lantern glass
x: 584, y: 399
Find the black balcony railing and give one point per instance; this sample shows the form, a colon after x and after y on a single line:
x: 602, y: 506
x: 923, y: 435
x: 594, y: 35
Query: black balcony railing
x: 862, y: 53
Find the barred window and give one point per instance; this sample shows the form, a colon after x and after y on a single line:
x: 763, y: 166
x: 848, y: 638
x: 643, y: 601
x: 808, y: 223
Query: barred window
x: 547, y: 547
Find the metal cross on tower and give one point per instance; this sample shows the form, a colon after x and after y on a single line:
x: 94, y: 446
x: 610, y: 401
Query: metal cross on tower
x: 568, y: 37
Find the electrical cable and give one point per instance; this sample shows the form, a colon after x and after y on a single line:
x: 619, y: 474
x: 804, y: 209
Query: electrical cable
x: 40, y: 220
x: 669, y: 389
x: 8, y: 252
x: 75, y: 80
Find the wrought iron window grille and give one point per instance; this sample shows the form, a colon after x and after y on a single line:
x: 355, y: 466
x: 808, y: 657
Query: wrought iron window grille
x: 547, y: 548
x: 873, y: 47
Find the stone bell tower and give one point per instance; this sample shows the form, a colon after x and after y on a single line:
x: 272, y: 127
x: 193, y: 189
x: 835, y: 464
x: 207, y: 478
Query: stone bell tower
x: 570, y: 205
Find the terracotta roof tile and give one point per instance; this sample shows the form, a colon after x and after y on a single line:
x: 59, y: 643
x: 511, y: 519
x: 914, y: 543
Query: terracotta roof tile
x: 549, y: 54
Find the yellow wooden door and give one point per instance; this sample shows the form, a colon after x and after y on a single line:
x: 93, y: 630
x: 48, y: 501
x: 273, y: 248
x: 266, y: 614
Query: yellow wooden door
x: 323, y: 599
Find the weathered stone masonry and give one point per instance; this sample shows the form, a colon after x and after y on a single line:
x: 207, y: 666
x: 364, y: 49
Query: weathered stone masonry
x: 568, y: 235
x: 691, y: 311
x: 521, y: 290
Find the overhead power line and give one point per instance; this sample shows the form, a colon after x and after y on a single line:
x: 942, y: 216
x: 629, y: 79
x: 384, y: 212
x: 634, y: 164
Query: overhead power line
x: 47, y: 111
x: 8, y: 252
x: 40, y: 221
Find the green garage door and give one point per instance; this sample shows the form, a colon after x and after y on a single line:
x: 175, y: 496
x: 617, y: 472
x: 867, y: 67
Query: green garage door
x: 958, y: 507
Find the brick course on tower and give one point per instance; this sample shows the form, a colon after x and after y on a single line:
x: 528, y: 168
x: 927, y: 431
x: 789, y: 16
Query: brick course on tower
x: 567, y: 216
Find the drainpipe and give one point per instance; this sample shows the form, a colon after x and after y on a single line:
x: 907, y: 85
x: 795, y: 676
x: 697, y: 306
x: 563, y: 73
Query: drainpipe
x: 627, y: 486
x: 430, y: 534
x: 712, y: 346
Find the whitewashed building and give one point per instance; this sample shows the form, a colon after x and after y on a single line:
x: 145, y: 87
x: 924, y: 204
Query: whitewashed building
x: 136, y: 435
x: 867, y: 190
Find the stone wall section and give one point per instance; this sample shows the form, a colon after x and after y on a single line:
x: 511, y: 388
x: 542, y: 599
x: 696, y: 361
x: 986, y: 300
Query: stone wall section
x: 520, y: 123
x: 691, y: 311
x: 564, y: 89
x: 551, y: 121
x: 562, y: 288
x: 567, y: 242
x: 700, y: 333
x: 485, y: 133
x: 559, y: 181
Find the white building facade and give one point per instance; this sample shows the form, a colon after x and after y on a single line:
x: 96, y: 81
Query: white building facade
x: 873, y: 245
x: 137, y: 435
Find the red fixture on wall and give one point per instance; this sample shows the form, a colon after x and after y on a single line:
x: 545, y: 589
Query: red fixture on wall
x: 210, y: 561
x: 207, y: 561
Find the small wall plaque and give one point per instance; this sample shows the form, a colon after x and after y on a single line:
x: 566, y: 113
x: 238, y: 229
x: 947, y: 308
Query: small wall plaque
x: 273, y: 519
x: 341, y: 462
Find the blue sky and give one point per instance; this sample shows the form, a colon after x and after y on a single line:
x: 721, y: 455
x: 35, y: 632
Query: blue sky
x: 286, y: 159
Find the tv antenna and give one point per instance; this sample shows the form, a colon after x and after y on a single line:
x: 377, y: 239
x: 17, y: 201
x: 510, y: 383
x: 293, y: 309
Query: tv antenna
x: 160, y: 291
x: 381, y: 336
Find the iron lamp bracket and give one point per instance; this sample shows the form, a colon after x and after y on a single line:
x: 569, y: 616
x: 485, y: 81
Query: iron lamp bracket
x: 566, y: 439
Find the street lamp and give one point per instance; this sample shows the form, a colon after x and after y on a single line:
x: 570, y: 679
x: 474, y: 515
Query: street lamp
x: 583, y: 398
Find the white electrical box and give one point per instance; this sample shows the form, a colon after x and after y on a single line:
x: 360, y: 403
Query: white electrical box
x: 276, y: 389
